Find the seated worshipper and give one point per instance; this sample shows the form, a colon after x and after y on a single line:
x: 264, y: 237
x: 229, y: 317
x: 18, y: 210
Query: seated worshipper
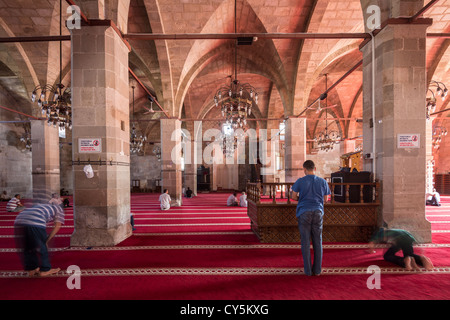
x: 243, y: 199
x: 4, y: 196
x: 433, y: 199
x: 232, y: 201
x: 56, y: 200
x: 188, y: 193
x: 14, y: 205
x: 132, y: 222
x: 66, y: 203
x: 400, y: 240
x: 32, y: 239
x: 164, y: 200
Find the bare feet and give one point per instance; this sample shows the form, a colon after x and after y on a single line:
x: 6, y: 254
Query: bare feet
x: 414, y: 264
x: 407, y: 261
x: 32, y: 273
x: 427, y: 264
x: 49, y: 272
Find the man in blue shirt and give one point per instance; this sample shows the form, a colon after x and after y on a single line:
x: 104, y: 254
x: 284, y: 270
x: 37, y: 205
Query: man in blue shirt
x: 311, y: 192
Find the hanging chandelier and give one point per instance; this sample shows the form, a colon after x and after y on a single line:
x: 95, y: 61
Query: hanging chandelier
x: 236, y: 99
x: 26, y: 137
x: 229, y: 140
x: 437, y: 89
x: 229, y: 146
x: 441, y: 89
x: 55, y: 102
x: 157, y: 152
x: 235, y: 102
x: 137, y: 140
x: 327, y: 139
x: 438, y: 134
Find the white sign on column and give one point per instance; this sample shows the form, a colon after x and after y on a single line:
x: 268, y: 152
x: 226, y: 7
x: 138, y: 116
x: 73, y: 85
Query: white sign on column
x: 89, y: 145
x: 408, y: 140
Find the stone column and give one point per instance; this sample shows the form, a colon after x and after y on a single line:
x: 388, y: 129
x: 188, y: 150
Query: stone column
x: 429, y: 157
x: 269, y: 145
x: 45, y: 160
x: 171, y: 159
x: 295, y: 148
x: 400, y: 94
x: 100, y: 93
x: 190, y: 167
x: 268, y: 173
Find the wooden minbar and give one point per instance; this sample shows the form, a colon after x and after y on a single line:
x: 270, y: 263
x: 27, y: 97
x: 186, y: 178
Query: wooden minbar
x: 273, y: 219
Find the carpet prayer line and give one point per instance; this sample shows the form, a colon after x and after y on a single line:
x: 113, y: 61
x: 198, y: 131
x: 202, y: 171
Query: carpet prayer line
x: 223, y: 271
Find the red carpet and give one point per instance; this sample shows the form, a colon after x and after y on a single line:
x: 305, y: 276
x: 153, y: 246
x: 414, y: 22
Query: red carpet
x: 206, y: 251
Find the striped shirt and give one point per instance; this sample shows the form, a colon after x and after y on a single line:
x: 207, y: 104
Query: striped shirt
x: 40, y: 215
x: 12, y: 204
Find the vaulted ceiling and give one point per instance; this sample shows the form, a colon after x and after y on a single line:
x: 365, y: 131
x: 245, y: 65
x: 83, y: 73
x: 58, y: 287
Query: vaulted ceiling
x: 184, y: 74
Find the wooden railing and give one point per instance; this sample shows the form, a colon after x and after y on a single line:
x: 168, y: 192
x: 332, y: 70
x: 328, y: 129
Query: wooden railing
x: 277, y: 193
x: 350, y: 215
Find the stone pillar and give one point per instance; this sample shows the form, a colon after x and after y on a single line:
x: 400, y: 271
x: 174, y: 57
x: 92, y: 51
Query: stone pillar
x: 400, y: 94
x: 295, y: 148
x: 171, y: 159
x: 190, y: 167
x: 45, y: 160
x: 429, y: 186
x: 269, y: 145
x: 100, y: 98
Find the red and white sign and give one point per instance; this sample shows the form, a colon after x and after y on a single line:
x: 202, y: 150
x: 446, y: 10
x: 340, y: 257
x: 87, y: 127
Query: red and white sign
x: 89, y: 145
x: 408, y: 141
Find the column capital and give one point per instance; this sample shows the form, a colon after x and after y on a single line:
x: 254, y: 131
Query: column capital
x: 397, y: 21
x: 105, y: 23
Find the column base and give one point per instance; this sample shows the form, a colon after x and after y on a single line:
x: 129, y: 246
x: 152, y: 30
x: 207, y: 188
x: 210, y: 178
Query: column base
x: 89, y: 237
x: 171, y: 180
x: 421, y: 230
